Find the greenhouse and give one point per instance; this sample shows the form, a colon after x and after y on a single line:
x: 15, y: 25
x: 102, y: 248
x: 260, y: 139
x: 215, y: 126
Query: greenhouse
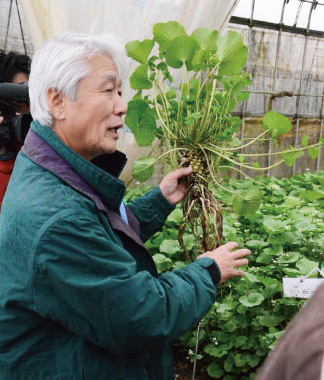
x: 162, y: 189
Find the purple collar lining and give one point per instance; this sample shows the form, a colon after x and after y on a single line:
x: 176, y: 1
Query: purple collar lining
x: 44, y: 155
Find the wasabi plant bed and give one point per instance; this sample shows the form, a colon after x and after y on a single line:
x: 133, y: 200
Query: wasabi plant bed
x: 286, y: 237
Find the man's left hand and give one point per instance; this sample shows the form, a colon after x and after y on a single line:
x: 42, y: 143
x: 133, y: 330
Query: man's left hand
x: 170, y: 187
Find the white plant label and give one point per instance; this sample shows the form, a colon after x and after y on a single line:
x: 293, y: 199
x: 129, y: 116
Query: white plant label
x: 301, y: 287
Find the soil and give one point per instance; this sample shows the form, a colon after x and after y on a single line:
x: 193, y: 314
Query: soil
x: 184, y: 367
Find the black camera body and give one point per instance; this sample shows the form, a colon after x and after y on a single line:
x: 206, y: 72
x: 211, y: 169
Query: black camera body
x: 14, y: 98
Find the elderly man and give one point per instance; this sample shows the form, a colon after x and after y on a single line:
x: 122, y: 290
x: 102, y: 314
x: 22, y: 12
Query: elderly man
x: 80, y: 296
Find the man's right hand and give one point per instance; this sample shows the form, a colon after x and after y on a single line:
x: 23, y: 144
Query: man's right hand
x: 228, y: 259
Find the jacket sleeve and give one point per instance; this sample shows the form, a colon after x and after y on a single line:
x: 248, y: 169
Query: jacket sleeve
x: 89, y: 284
x: 151, y: 210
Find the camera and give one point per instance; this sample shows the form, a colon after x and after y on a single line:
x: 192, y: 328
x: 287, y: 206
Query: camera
x: 13, y: 99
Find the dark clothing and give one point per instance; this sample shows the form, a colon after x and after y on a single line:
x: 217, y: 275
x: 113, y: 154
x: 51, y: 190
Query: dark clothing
x: 299, y: 353
x: 80, y: 296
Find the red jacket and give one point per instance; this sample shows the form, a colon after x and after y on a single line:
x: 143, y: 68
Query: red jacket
x: 6, y: 168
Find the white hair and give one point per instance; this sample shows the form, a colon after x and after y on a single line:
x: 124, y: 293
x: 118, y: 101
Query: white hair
x: 61, y: 64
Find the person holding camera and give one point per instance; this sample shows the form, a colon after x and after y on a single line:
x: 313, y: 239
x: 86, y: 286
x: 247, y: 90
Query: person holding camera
x: 14, y: 68
x: 80, y: 295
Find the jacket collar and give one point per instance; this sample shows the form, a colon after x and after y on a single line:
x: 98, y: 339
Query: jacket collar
x: 96, y: 179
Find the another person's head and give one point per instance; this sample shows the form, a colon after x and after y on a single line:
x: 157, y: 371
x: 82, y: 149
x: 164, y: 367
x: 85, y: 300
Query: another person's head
x: 14, y: 67
x: 75, y: 89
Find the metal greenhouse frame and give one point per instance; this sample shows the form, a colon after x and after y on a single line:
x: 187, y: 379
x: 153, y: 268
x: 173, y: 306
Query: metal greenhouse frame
x: 273, y: 93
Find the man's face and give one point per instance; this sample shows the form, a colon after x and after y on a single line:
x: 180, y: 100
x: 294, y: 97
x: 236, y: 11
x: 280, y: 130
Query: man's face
x: 90, y: 124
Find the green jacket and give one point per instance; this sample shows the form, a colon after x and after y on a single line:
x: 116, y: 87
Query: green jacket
x: 80, y: 296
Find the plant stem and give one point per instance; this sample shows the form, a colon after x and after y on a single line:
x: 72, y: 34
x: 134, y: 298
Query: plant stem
x: 244, y: 146
x: 277, y: 153
x: 161, y: 119
x: 242, y: 165
x: 241, y: 172
x: 212, y: 174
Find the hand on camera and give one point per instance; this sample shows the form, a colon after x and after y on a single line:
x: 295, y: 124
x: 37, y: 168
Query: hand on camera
x: 228, y: 259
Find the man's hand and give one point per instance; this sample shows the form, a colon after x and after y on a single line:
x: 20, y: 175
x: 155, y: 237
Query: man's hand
x: 174, y: 191
x: 228, y: 260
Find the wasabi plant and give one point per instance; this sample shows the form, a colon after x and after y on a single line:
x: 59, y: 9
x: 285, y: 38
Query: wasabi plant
x: 191, y: 122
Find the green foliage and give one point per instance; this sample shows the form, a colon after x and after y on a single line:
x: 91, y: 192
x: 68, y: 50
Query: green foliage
x: 276, y: 123
x: 139, y: 50
x: 247, y: 202
x: 141, y: 121
x: 144, y: 168
x: 139, y: 80
x: 231, y: 54
x: 193, y: 119
x: 206, y: 38
x: 286, y: 239
x: 164, y: 33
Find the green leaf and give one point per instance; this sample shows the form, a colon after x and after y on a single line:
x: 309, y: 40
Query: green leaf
x: 215, y: 351
x: 291, y: 156
x: 231, y: 53
x: 269, y: 282
x: 198, y: 61
x: 171, y: 94
x: 214, y: 370
x: 289, y: 257
x: 314, y: 152
x: 253, y: 362
x: 229, y: 363
x: 239, y: 360
x: 247, y: 202
x: 139, y: 50
x: 163, y: 263
x: 139, y: 80
x: 305, y: 140
x: 264, y: 258
x: 159, y: 258
x: 189, y: 241
x: 207, y: 38
x: 276, y: 123
x: 253, y: 299
x: 305, y: 266
x: 273, y: 225
x: 240, y: 341
x: 145, y: 133
x: 141, y: 123
x: 170, y: 246
x: 164, y: 33
x: 180, y: 51
x: 229, y: 326
x: 291, y: 202
x: 176, y: 216
x: 179, y: 265
x: 312, y: 195
x: 251, y: 278
x: 256, y: 244
x: 243, y: 95
x: 143, y: 168
x: 137, y: 105
x: 133, y: 118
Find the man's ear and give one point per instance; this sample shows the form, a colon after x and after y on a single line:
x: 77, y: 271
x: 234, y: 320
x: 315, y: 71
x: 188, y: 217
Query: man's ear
x: 56, y: 103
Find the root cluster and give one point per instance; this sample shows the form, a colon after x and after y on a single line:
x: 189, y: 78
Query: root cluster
x: 204, y: 214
